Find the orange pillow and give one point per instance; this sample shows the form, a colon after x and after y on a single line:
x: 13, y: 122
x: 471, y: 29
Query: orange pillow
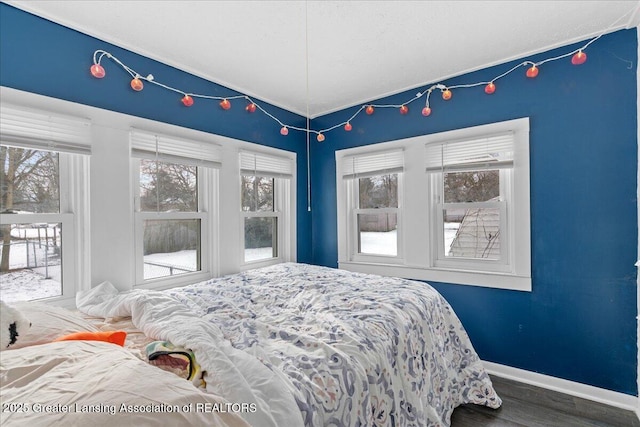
x: 114, y: 337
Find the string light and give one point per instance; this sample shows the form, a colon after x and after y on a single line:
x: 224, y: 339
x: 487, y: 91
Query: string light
x: 578, y: 57
x: 136, y: 84
x: 225, y: 104
x: 532, y: 72
x: 97, y: 71
x: 490, y: 88
x: 187, y: 101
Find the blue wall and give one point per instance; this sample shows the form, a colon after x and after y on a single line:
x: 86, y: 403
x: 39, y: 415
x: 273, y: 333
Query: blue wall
x: 579, y: 322
x: 46, y: 58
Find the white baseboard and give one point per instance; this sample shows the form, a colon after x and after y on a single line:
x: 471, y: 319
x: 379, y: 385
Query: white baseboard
x: 584, y: 391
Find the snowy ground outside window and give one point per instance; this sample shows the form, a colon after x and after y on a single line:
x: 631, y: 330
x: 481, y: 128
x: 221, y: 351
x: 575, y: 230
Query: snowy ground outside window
x: 30, y: 284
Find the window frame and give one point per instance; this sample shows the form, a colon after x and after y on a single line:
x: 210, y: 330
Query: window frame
x: 276, y: 237
x: 207, y: 179
x: 73, y: 173
x: 353, y: 230
x: 421, y: 239
x: 281, y: 169
x: 437, y: 226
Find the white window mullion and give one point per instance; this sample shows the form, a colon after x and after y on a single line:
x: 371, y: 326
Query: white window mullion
x: 282, y: 207
x: 50, y: 218
x: 77, y: 201
x: 172, y: 215
x: 259, y: 214
x: 439, y: 232
x: 70, y: 265
x: 139, y: 247
x: 374, y: 211
x: 506, y: 243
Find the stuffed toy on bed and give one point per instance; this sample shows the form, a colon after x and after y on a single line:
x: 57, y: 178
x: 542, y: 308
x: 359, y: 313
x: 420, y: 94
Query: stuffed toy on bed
x: 13, y: 324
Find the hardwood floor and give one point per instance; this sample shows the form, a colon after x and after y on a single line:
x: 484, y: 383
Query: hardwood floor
x: 526, y: 405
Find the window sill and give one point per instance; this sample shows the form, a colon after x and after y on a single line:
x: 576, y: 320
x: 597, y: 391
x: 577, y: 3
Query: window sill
x: 168, y: 282
x: 472, y: 278
x: 251, y: 265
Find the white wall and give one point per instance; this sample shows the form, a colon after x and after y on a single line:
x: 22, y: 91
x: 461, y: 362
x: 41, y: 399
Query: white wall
x: 112, y: 253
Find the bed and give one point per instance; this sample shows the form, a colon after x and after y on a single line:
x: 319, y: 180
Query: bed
x: 298, y: 345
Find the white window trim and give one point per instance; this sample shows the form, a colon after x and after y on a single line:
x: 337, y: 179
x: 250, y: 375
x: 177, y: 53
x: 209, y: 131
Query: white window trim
x: 419, y: 257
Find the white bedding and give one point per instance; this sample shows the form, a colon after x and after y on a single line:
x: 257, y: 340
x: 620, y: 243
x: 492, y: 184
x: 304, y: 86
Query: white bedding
x: 315, y: 346
x: 94, y: 383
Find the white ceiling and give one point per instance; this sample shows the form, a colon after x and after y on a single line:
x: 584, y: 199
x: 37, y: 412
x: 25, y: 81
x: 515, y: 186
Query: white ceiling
x: 322, y: 56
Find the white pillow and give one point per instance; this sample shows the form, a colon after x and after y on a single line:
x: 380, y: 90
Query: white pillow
x: 48, y: 322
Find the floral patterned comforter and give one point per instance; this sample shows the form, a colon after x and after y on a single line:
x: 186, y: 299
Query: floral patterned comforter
x: 350, y: 349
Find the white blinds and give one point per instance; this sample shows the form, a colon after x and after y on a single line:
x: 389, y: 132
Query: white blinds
x: 166, y: 148
x: 370, y: 164
x: 27, y: 128
x: 260, y: 164
x: 488, y: 152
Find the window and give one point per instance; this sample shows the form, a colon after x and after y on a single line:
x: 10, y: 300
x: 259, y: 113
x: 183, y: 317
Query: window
x: 373, y: 186
x: 173, y: 207
x: 265, y: 206
x: 44, y: 198
x: 462, y: 207
x: 471, y: 195
x: 377, y: 215
x: 260, y: 218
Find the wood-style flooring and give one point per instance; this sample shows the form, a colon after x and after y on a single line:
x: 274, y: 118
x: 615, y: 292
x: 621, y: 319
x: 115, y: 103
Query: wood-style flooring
x: 526, y: 405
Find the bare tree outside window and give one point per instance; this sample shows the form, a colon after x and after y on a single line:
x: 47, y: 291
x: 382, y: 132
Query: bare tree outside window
x: 257, y: 193
x: 380, y: 191
x: 170, y: 246
x: 30, y: 184
x: 166, y: 187
x: 476, y: 186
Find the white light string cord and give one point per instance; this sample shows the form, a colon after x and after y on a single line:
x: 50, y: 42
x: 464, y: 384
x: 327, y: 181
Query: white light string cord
x: 577, y: 57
